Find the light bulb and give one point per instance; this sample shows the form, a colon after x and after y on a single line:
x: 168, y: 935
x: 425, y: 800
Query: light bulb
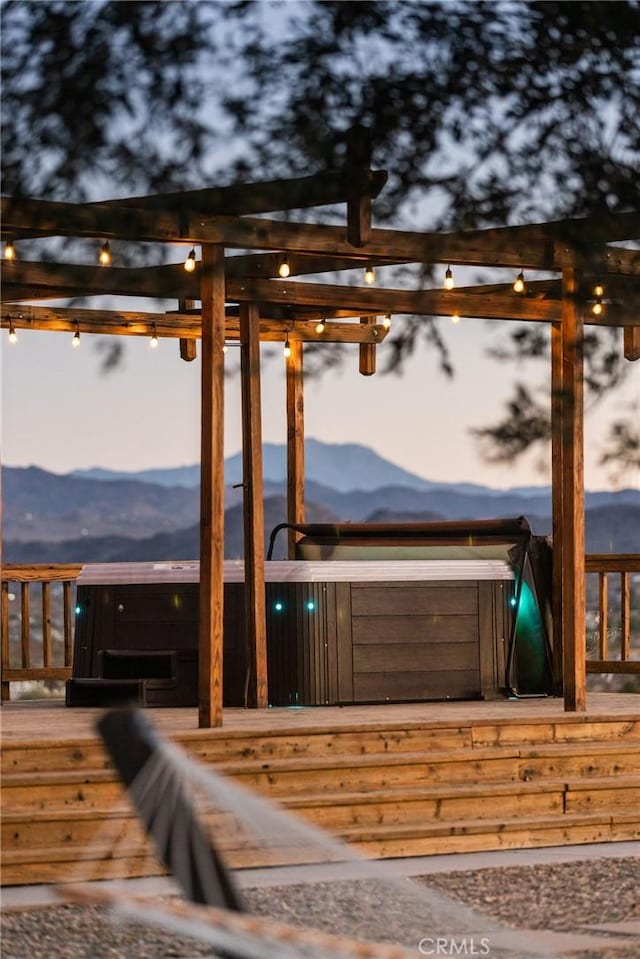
x: 518, y: 283
x: 190, y: 262
x: 284, y: 269
x: 9, y: 250
x: 104, y: 257
x: 597, y: 307
x: 598, y: 290
x: 455, y: 318
x: 225, y: 348
x: 153, y: 342
x: 13, y: 336
x: 387, y: 321
x: 75, y: 342
x: 369, y: 274
x: 448, y: 279
x: 320, y: 326
x: 287, y: 349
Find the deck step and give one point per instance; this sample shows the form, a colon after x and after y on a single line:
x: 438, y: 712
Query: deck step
x: 346, y: 774
x: 221, y: 745
x: 103, y: 859
x: 387, y: 789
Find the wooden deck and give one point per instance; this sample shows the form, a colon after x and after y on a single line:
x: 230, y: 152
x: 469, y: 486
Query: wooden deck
x: 394, y: 780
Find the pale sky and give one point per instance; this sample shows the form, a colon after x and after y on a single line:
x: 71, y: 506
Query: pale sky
x: 59, y: 412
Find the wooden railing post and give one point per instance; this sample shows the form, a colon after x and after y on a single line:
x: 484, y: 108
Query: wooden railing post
x: 5, y: 690
x: 25, y: 576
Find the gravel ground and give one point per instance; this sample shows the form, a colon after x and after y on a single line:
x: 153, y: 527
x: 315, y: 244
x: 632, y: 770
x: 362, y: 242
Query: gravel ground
x: 564, y: 897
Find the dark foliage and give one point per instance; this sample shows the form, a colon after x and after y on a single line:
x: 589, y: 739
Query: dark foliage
x: 484, y: 113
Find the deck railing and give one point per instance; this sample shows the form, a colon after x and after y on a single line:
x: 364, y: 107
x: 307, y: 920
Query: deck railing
x: 39, y: 646
x: 607, y: 566
x: 36, y: 642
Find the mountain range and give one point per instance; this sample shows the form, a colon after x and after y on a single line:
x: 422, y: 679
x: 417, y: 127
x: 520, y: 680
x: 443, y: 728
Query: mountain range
x: 102, y: 515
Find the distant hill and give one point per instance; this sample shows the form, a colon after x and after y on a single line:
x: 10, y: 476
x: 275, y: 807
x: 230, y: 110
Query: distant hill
x: 45, y: 507
x: 182, y: 544
x: 344, y: 467
x: 613, y: 529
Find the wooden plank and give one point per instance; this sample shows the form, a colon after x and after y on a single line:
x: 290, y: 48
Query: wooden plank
x: 419, y: 657
x: 5, y: 659
x: 359, y: 220
x: 632, y: 342
x: 612, y: 563
x: 47, y: 651
x: 188, y: 348
x: 211, y: 488
x: 295, y: 443
x: 603, y: 618
x: 67, y: 615
x: 428, y: 599
x: 430, y: 630
x: 37, y: 572
x: 25, y: 625
x: 613, y: 666
x: 368, y: 351
x: 37, y: 673
x: 139, y: 323
x: 625, y: 616
x: 525, y: 246
x: 268, y: 196
x: 462, y: 684
x: 572, y: 443
x: 254, y: 591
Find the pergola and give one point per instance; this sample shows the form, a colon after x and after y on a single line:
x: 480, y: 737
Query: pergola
x: 247, y: 297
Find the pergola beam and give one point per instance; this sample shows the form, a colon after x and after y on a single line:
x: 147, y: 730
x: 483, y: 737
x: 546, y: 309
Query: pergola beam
x: 269, y: 196
x: 532, y: 246
x: 181, y: 326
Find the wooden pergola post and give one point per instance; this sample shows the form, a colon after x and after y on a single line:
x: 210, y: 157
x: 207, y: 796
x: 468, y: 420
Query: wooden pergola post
x: 295, y: 442
x: 253, y: 490
x: 568, y: 491
x: 212, y: 295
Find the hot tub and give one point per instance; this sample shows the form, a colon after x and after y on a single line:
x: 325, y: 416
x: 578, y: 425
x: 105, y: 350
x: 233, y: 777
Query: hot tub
x: 338, y: 631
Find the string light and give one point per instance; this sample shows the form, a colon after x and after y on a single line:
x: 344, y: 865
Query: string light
x: 597, y: 307
x: 387, y: 321
x: 190, y: 262
x: 455, y: 318
x: 518, y: 283
x: 9, y: 250
x: 153, y: 342
x: 321, y: 326
x: 369, y: 274
x: 287, y: 348
x: 75, y: 342
x: 104, y: 257
x: 598, y: 290
x: 448, y: 279
x: 13, y: 336
x: 283, y: 268
x: 225, y: 348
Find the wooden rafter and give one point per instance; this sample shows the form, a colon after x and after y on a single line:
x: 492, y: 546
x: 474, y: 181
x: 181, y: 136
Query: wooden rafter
x: 534, y: 246
x: 129, y: 323
x: 239, y: 199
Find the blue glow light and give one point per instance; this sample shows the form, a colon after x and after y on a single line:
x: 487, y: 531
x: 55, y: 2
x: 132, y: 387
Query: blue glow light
x: 78, y: 609
x: 278, y: 606
x: 513, y: 601
x: 311, y: 605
